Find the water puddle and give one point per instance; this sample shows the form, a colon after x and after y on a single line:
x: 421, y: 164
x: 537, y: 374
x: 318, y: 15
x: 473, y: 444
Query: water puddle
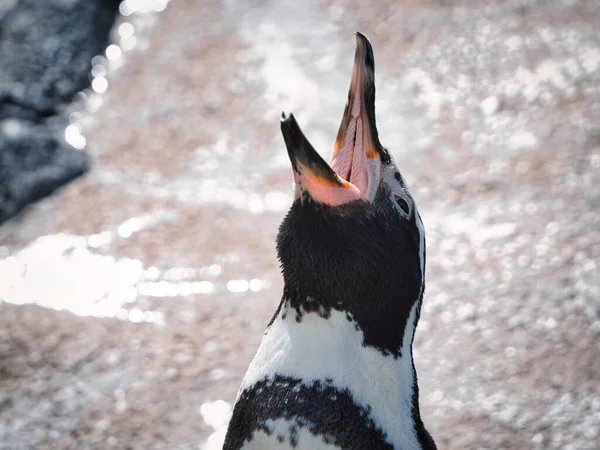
x: 73, y: 273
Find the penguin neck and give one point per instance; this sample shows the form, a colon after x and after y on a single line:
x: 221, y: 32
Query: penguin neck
x: 314, y: 341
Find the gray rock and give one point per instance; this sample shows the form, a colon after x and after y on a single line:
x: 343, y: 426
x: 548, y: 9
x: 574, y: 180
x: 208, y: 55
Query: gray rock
x: 46, y: 50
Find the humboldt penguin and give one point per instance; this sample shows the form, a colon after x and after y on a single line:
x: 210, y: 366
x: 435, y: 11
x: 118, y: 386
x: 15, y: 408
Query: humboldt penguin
x: 335, y: 367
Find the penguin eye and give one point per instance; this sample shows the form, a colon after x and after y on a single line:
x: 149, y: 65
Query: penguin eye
x: 403, y: 205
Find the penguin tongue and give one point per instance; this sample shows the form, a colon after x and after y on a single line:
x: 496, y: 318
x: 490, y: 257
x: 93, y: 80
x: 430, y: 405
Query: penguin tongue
x: 355, y: 169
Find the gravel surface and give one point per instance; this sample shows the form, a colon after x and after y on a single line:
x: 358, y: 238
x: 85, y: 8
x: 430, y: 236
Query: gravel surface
x: 133, y: 300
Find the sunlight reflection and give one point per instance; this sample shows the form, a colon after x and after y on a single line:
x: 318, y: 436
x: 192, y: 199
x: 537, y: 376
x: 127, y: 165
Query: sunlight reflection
x: 216, y: 415
x: 100, y: 84
x: 113, y: 52
x: 126, y: 30
x: 62, y: 272
x: 129, y: 7
x: 73, y: 136
x: 59, y: 272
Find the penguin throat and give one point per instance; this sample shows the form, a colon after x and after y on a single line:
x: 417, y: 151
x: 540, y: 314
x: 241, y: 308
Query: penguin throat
x: 387, y: 325
x: 340, y: 261
x: 349, y: 162
x: 355, y: 160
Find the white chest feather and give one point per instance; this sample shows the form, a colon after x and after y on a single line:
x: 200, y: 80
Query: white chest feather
x: 306, y: 440
x: 318, y: 348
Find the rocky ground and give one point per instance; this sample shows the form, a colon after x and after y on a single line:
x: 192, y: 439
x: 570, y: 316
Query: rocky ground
x: 134, y: 299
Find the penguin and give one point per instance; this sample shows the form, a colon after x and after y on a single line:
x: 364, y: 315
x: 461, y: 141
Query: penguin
x: 335, y: 368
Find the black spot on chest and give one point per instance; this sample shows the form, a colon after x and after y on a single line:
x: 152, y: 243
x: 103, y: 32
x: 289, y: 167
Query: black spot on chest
x: 318, y: 407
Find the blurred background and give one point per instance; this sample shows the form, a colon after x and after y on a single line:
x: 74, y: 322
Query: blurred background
x: 133, y: 298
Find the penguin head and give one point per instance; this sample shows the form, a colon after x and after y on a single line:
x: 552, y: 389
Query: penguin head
x: 353, y: 240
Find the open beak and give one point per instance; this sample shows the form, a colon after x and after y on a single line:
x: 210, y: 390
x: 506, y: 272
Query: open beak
x: 355, y: 171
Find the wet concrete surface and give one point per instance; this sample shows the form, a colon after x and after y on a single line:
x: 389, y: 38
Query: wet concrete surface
x: 134, y: 299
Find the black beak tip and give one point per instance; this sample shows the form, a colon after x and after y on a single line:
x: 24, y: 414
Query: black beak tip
x: 363, y: 42
x: 301, y: 152
x: 360, y: 35
x: 294, y: 139
x: 289, y: 126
